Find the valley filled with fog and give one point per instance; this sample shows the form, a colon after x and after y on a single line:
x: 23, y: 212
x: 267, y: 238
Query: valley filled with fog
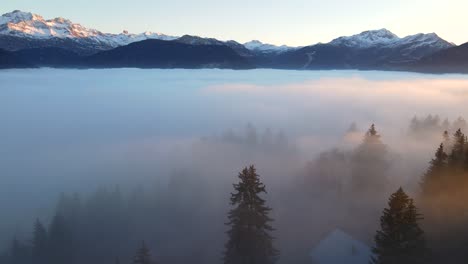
x: 174, y: 141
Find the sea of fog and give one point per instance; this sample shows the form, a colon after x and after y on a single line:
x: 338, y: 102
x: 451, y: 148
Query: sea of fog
x: 74, y: 130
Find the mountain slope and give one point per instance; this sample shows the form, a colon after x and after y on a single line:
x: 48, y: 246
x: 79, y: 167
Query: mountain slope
x: 20, y: 30
x: 260, y: 47
x: 49, y: 57
x: 59, y: 42
x: 9, y: 60
x: 168, y: 54
x: 375, y: 49
x: 453, y: 60
x: 367, y: 39
x: 24, y: 30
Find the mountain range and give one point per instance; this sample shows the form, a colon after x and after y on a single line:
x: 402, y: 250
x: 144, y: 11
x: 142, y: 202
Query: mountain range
x: 29, y: 40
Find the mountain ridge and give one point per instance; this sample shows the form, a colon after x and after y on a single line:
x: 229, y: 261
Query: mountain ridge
x: 32, y: 40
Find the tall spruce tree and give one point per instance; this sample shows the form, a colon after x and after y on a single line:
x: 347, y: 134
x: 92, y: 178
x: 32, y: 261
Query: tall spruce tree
x: 457, y: 155
x: 143, y: 255
x: 39, y: 244
x: 369, y: 160
x: 400, y: 239
x: 446, y: 139
x: 432, y: 181
x: 250, y: 240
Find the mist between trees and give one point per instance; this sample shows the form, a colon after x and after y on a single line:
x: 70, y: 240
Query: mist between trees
x: 276, y: 211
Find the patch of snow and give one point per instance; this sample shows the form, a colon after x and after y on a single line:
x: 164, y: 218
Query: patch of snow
x: 386, y: 39
x: 430, y: 39
x: 195, y: 40
x: 256, y: 45
x: 30, y: 25
x: 367, y: 39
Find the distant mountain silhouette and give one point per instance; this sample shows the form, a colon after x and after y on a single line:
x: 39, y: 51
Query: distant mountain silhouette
x: 453, y: 60
x: 378, y: 49
x: 29, y: 40
x: 49, y: 57
x: 11, y: 60
x: 168, y: 54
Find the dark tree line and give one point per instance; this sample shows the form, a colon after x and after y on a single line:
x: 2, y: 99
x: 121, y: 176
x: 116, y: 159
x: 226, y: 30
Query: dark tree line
x: 50, y: 245
x: 444, y: 197
x: 55, y: 246
x: 96, y: 231
x: 104, y: 227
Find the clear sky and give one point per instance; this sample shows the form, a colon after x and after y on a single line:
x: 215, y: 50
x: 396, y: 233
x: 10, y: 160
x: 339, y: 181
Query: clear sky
x: 291, y: 22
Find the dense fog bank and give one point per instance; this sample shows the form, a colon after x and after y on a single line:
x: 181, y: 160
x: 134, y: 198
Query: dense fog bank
x: 151, y: 155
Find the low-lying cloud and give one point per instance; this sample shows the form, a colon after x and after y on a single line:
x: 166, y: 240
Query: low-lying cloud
x: 160, y: 128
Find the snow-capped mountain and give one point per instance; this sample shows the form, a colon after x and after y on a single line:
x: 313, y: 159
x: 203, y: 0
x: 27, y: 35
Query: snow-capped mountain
x: 126, y: 38
x: 21, y: 30
x: 373, y: 49
x: 430, y: 39
x: 383, y: 38
x: 60, y: 42
x: 258, y: 46
x: 367, y: 39
x: 18, y: 24
x: 236, y: 46
x: 196, y: 40
x: 254, y: 45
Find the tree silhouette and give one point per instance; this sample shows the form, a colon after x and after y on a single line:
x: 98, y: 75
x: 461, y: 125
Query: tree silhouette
x: 400, y: 239
x: 369, y: 161
x: 39, y: 243
x: 457, y: 155
x: 143, y: 255
x: 432, y: 179
x: 250, y: 241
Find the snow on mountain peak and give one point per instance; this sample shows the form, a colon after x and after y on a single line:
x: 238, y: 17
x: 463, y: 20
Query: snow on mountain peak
x: 257, y: 45
x: 17, y: 16
x: 430, y: 39
x: 196, y: 40
x: 379, y: 34
x: 25, y: 24
x: 254, y: 42
x: 367, y: 39
x: 31, y: 25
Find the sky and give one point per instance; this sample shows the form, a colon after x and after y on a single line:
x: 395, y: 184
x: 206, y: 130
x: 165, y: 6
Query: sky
x: 291, y: 22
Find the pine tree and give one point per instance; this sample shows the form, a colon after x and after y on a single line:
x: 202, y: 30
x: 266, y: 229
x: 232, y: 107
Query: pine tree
x: 432, y: 179
x: 446, y: 136
x: 250, y: 241
x: 457, y: 155
x: 143, y: 255
x: 369, y: 161
x: 39, y: 243
x: 372, y: 133
x: 400, y: 239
